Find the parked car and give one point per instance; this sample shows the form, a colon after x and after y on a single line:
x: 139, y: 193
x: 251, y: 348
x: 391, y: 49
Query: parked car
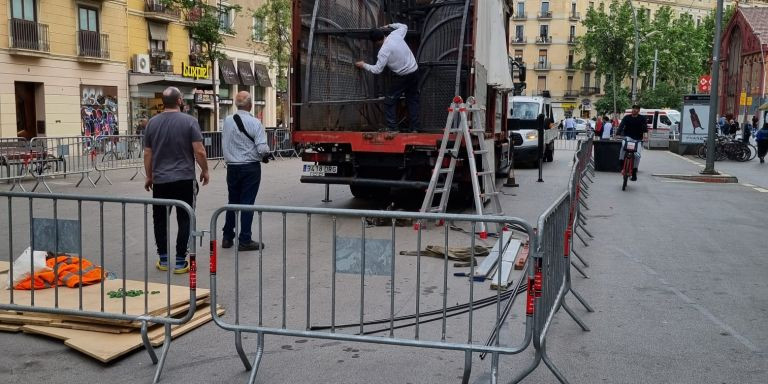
x: 582, y: 124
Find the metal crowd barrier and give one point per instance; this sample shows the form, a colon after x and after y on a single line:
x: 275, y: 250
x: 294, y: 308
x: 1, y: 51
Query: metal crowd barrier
x: 281, y: 144
x: 213, y: 147
x: 552, y: 261
x: 14, y: 157
x: 79, y: 225
x: 569, y: 140
x: 370, y: 286
x: 119, y: 152
x: 62, y: 156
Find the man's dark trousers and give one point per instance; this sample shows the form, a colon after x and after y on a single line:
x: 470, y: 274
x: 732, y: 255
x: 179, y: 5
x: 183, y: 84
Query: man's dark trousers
x: 183, y: 190
x: 243, y: 184
x: 408, y: 84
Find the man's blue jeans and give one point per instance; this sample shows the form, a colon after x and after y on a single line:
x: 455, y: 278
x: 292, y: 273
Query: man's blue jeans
x: 408, y: 84
x: 243, y: 184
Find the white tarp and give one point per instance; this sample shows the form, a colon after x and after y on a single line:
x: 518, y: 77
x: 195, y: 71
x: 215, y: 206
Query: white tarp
x: 491, y: 43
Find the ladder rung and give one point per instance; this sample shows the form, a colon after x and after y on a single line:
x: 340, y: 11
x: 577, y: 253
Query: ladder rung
x: 436, y: 210
x: 445, y: 170
x: 453, y: 130
x: 439, y: 190
x: 488, y: 194
x: 483, y: 173
x: 477, y: 130
x: 481, y: 152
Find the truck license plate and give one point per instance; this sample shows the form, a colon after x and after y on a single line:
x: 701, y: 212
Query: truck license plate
x: 319, y: 170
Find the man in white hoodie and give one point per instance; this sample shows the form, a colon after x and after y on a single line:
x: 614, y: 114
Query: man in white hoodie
x: 397, y: 56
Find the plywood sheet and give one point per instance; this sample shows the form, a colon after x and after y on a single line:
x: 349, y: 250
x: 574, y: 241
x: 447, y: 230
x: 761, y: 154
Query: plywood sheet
x: 4, y: 267
x: 106, y: 347
x: 13, y: 318
x: 69, y: 297
x: 10, y: 328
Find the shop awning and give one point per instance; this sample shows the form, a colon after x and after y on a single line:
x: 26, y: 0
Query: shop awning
x: 246, y: 74
x: 262, y: 75
x: 158, y: 31
x: 228, y: 72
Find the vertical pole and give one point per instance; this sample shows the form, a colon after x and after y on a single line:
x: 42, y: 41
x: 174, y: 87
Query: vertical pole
x: 709, y: 169
x: 655, y: 63
x: 613, y: 78
x: 541, y: 121
x: 637, y: 43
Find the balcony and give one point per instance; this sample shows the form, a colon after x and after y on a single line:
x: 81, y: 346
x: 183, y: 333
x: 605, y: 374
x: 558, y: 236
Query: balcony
x: 160, y: 65
x: 572, y: 40
x: 158, y: 11
x: 574, y: 16
x: 519, y: 40
x: 540, y: 92
x: 570, y: 67
x: 545, y: 15
x: 92, y: 45
x: 28, y: 37
x: 571, y: 94
x: 162, y: 55
x: 520, y: 16
x: 589, y: 66
x: 587, y: 91
x: 541, y: 40
x: 542, y: 66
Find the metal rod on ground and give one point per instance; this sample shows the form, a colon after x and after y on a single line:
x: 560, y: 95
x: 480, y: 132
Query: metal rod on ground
x: 709, y: 169
x: 327, y: 194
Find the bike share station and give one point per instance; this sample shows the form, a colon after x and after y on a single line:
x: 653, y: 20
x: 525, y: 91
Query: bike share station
x: 693, y: 129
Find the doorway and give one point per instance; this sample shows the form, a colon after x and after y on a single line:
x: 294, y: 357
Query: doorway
x: 30, y: 109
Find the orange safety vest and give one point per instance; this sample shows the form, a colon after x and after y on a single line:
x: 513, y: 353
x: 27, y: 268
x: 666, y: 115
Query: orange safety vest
x: 68, y: 269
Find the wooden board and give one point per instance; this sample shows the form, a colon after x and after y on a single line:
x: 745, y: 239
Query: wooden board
x: 13, y: 318
x: 10, y: 328
x: 69, y: 297
x: 505, y: 268
x: 106, y: 347
x: 489, y: 264
x: 522, y: 257
x: 104, y: 328
x: 4, y: 267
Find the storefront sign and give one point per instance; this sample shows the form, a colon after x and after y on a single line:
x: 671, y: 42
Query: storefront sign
x: 225, y: 102
x: 203, y: 98
x: 194, y: 72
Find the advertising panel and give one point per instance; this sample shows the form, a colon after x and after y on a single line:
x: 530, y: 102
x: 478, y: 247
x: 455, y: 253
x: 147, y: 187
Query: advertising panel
x: 695, y: 124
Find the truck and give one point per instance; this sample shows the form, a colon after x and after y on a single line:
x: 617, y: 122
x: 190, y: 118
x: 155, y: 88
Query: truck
x: 337, y: 110
x: 523, y: 122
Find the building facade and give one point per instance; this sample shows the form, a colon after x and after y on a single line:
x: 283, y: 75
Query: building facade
x: 63, y: 67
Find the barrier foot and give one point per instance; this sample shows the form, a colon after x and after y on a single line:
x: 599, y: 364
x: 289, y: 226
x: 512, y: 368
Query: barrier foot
x: 217, y: 164
x: 586, y: 231
x: 581, y: 238
x: 164, y: 353
x: 552, y: 367
x: 574, y: 317
x: 584, y: 185
x: 589, y: 178
x: 494, y: 368
x: 257, y: 359
x: 581, y: 300
x: 467, y: 367
x: 584, y: 204
x: 135, y: 174
x: 527, y: 371
x: 573, y: 251
x: 147, y: 345
x: 240, y: 351
x: 579, y: 269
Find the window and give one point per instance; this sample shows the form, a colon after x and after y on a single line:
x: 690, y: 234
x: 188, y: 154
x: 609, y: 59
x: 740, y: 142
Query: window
x: 226, y: 18
x: 158, y: 35
x: 597, y: 80
x: 520, y: 8
x: 544, y: 7
x: 257, y: 29
x: 591, y: 4
x: 543, y: 56
x: 23, y: 9
x: 572, y: 34
x: 544, y: 31
x: 541, y: 83
x: 519, y: 32
x: 569, y: 83
x: 665, y: 120
x: 570, y: 59
x: 518, y: 55
x: 587, y: 79
x: 573, y: 8
x: 89, y: 19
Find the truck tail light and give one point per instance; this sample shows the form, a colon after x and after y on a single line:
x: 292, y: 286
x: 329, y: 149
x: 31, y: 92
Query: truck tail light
x: 316, y: 157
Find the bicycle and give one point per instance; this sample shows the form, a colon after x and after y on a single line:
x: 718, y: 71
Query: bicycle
x: 630, y: 149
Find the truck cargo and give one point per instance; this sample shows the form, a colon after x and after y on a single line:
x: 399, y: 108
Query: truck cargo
x: 338, y: 110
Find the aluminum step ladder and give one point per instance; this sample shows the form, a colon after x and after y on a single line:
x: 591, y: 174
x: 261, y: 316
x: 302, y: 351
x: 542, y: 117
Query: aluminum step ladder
x: 441, y: 181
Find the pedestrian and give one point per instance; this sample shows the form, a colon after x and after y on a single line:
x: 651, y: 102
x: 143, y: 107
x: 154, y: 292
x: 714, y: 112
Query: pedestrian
x: 762, y: 142
x: 733, y: 127
x: 599, y: 126
x: 172, y: 144
x: 722, y: 124
x: 570, y: 128
x: 244, y: 143
x: 607, y: 128
x: 395, y: 54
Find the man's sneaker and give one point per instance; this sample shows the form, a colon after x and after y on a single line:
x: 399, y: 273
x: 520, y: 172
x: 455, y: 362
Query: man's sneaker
x: 182, y: 266
x: 162, y: 263
x: 226, y: 243
x: 250, y: 246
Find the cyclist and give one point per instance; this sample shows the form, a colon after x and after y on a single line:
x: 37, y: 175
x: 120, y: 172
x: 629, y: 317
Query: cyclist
x: 634, y: 127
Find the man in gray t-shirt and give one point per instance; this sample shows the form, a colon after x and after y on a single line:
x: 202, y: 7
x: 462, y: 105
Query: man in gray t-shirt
x: 172, y: 144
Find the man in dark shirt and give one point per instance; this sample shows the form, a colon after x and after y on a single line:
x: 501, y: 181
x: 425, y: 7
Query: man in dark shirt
x: 635, y: 127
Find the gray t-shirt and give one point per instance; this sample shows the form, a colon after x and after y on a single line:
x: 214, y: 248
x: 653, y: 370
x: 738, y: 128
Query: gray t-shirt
x: 170, y: 136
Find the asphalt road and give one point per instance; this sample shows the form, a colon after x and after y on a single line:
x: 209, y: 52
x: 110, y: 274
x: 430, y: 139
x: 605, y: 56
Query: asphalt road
x: 677, y: 276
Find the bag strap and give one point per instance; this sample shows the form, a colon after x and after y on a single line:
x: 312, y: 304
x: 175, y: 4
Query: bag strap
x: 239, y: 123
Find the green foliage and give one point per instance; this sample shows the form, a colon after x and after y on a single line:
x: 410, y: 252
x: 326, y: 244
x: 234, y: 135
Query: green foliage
x: 664, y: 96
x: 276, y: 35
x: 708, y: 26
x: 683, y: 48
x: 605, y: 104
x: 202, y: 20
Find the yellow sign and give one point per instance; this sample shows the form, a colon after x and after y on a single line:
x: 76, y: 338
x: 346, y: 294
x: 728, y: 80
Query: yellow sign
x: 749, y: 101
x: 568, y: 105
x: 194, y: 72
x: 743, y: 98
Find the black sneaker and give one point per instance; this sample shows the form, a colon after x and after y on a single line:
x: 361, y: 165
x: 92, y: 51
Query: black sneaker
x: 251, y: 246
x: 226, y: 243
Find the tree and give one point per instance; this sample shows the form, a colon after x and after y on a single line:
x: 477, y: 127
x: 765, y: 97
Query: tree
x: 275, y: 16
x: 605, y: 104
x: 665, y: 95
x: 205, y: 27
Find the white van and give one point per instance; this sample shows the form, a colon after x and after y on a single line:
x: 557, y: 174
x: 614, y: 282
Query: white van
x: 666, y: 122
x: 522, y: 115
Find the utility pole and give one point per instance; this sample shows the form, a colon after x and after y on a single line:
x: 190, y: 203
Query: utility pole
x: 637, y: 43
x: 709, y: 169
x: 655, y: 61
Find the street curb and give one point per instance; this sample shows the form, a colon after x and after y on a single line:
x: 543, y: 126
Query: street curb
x: 721, y: 179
